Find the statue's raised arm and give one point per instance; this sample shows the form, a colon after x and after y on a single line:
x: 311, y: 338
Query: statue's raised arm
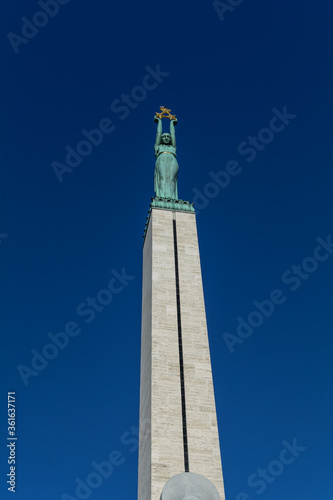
x: 173, y: 132
x: 158, y: 133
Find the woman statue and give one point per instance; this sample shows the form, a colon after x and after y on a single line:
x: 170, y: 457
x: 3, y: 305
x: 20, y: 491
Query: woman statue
x: 166, y: 166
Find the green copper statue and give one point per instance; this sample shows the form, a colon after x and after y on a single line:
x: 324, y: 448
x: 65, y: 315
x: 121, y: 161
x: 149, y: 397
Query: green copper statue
x: 166, y: 166
x: 166, y: 170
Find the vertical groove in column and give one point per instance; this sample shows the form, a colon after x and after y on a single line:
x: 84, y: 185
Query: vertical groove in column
x: 180, y: 346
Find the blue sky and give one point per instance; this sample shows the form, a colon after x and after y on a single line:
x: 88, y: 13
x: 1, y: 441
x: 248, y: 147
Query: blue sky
x: 66, y: 235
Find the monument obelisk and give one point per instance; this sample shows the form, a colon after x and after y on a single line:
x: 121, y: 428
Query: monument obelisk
x: 179, y: 451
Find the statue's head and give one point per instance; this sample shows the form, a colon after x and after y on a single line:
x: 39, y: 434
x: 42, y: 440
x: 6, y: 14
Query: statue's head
x: 166, y: 139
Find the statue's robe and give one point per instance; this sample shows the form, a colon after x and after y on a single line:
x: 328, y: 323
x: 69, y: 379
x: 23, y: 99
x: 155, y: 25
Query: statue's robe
x: 166, y: 172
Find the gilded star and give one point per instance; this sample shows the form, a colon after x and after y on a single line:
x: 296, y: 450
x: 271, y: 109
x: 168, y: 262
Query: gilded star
x: 165, y: 113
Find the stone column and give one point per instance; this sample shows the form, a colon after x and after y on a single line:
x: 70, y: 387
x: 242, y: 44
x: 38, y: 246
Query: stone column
x: 178, y: 424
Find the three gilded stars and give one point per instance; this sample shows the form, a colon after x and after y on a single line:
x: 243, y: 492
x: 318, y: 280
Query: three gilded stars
x: 165, y: 113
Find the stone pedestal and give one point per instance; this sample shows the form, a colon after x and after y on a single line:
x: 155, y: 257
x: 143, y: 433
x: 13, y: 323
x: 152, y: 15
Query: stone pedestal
x: 178, y: 425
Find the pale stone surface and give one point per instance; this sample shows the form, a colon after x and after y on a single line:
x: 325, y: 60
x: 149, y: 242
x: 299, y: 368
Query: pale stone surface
x: 202, y: 431
x: 144, y: 474
x: 189, y: 486
x: 161, y: 453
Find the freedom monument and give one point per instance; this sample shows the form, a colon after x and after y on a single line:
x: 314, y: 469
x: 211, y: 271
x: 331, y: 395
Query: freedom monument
x: 179, y: 451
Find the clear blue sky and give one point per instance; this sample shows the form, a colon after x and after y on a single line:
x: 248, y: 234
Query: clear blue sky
x: 60, y: 241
